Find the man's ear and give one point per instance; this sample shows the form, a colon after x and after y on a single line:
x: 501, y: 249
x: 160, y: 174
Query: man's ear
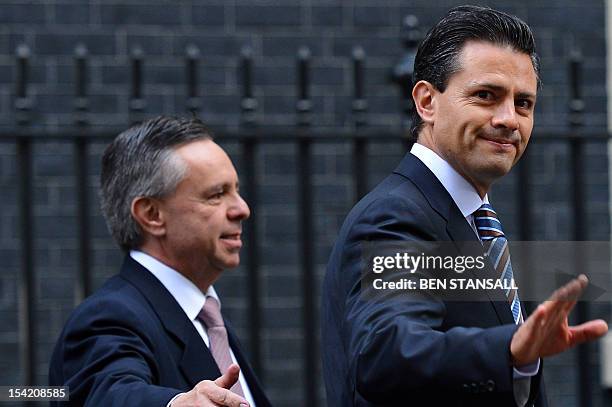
x: 423, y: 96
x: 147, y: 213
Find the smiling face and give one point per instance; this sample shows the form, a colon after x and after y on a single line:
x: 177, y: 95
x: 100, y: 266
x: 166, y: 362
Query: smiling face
x: 203, y: 216
x: 482, y: 122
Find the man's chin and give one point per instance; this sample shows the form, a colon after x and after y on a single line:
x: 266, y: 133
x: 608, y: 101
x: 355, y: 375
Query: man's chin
x: 231, y: 263
x: 492, y: 173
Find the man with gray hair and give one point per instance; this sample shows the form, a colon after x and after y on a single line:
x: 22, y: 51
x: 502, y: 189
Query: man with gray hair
x: 153, y: 335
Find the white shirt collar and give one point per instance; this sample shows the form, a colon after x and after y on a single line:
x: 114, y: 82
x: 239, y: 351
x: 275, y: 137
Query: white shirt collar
x: 185, y: 292
x: 462, y: 192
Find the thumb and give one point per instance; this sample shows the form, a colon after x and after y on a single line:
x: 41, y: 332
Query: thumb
x: 228, y: 378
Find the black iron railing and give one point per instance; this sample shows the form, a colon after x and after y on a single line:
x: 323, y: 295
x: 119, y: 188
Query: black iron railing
x: 250, y: 142
x: 250, y: 138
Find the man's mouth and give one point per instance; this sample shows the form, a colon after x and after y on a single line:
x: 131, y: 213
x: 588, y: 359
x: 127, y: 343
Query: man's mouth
x: 232, y: 240
x: 501, y: 142
x: 231, y: 236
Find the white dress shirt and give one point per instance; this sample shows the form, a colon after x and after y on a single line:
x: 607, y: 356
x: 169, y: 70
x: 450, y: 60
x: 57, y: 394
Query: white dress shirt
x: 190, y: 299
x: 468, y: 201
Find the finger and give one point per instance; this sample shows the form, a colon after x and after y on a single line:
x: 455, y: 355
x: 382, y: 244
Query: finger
x: 527, y: 340
x: 538, y: 317
x: 588, y: 331
x: 564, y: 299
x: 572, y: 290
x: 229, y: 378
x: 534, y: 325
x: 547, y: 319
x: 226, y: 398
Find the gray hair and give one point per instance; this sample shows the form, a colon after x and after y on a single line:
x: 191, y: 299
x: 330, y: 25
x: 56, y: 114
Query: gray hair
x: 141, y: 162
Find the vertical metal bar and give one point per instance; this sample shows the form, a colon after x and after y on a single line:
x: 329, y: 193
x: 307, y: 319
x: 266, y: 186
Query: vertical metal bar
x: 304, y: 104
x: 303, y: 108
x: 525, y: 227
x: 359, y: 105
x: 81, y: 106
x: 83, y: 283
x: 23, y: 102
x: 585, y: 376
x: 21, y: 80
x: 191, y: 64
x: 401, y: 73
x: 248, y: 104
x: 137, y: 73
x: 80, y: 62
x: 308, y: 277
x: 251, y: 196
x: 81, y: 102
x: 246, y: 54
x: 27, y: 288
x: 576, y: 108
x: 137, y: 102
x: 524, y: 197
x: 360, y: 167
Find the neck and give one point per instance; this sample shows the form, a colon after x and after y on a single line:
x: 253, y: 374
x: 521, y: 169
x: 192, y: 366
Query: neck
x: 425, y: 139
x: 199, y: 276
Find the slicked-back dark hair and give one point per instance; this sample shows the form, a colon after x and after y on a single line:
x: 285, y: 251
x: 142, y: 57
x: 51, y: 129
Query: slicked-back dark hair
x: 437, y: 58
x: 140, y: 162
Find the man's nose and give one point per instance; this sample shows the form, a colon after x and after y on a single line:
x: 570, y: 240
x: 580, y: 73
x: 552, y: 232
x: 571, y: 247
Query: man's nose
x: 505, y: 116
x: 239, y: 209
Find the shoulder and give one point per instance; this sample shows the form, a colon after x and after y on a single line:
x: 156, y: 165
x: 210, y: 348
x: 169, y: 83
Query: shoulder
x: 116, y: 302
x: 396, y: 204
x: 117, y: 316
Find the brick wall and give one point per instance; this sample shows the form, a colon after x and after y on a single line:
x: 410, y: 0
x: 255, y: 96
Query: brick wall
x: 274, y: 30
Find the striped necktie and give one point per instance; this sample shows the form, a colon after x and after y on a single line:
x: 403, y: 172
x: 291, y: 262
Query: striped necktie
x: 217, y: 336
x: 496, y: 245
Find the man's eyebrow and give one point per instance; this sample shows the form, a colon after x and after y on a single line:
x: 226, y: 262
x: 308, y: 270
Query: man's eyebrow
x: 216, y: 187
x: 527, y: 95
x: 220, y: 185
x: 498, y: 88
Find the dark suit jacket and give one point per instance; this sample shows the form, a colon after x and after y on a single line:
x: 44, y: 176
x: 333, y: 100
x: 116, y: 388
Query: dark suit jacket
x: 411, y: 353
x: 130, y: 344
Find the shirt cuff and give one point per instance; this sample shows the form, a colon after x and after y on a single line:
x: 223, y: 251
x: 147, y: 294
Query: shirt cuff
x: 529, y: 370
x: 172, y: 399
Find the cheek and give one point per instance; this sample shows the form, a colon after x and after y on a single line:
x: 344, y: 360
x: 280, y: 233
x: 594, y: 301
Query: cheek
x: 525, y: 126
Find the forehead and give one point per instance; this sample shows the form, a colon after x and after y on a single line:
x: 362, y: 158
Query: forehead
x: 205, y: 158
x: 481, y: 61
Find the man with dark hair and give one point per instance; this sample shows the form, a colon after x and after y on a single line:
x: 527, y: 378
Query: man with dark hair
x: 476, y: 81
x: 153, y: 335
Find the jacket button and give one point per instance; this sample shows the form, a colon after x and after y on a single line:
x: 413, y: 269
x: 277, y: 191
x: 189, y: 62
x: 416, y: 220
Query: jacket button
x: 483, y: 387
x: 475, y: 389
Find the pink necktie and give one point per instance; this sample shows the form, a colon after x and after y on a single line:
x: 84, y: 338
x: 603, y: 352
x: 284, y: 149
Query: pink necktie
x: 217, y: 336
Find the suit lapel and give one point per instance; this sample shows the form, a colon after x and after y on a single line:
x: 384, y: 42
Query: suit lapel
x: 254, y: 386
x: 457, y: 227
x: 196, y: 362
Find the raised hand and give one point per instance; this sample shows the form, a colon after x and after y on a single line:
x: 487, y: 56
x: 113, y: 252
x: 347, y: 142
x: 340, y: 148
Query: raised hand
x: 546, y: 332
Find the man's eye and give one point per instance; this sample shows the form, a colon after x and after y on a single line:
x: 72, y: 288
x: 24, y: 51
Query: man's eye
x: 218, y: 195
x: 524, y: 103
x: 484, y: 94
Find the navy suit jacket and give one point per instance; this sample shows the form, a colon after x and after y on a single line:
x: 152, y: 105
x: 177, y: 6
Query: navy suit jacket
x: 131, y: 344
x: 412, y: 353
